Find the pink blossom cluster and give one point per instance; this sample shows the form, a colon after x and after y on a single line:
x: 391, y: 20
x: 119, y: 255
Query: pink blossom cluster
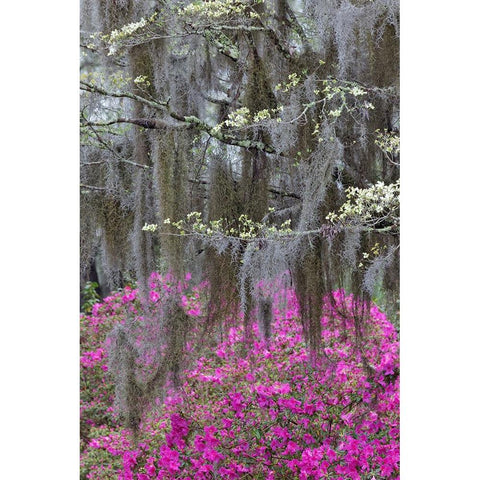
x: 268, y: 411
x: 90, y: 359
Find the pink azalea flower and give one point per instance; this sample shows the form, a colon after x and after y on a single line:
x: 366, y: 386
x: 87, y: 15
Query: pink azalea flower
x: 154, y: 296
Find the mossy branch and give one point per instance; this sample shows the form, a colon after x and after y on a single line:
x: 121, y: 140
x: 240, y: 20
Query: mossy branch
x: 89, y: 87
x: 191, y: 120
x: 223, y: 44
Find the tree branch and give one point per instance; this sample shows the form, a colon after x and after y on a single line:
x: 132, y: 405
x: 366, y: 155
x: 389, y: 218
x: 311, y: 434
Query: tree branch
x: 93, y: 187
x: 230, y: 51
x: 293, y: 20
x: 218, y: 101
x: 284, y: 194
x: 110, y: 149
x: 189, y: 119
x: 88, y: 87
x: 271, y: 189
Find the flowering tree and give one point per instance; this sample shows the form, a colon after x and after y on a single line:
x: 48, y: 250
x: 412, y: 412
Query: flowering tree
x: 244, y: 141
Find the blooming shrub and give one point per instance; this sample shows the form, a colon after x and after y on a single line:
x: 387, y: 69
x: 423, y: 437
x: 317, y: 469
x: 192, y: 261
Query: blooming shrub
x: 266, y: 413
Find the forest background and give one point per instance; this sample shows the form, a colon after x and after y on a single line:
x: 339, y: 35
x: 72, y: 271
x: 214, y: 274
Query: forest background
x: 439, y: 255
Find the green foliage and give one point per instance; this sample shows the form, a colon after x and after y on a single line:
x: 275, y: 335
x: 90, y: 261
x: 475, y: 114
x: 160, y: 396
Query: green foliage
x: 100, y: 462
x: 90, y: 296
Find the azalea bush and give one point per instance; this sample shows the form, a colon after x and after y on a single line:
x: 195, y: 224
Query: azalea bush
x: 266, y: 410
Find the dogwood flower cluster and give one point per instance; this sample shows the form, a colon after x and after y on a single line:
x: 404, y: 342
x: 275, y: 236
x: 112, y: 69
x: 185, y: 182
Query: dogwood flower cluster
x: 120, y: 37
x: 243, y: 117
x: 389, y: 143
x: 218, y: 9
x: 370, y: 208
x: 246, y: 229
